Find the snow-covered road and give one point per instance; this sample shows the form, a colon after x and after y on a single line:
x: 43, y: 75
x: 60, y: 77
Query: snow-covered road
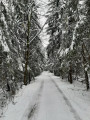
x: 53, y: 104
x: 50, y: 98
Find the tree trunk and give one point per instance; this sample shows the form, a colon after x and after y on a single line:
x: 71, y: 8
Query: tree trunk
x: 70, y: 74
x: 85, y: 69
x: 8, y: 87
x: 86, y: 79
x: 70, y: 77
x: 29, y: 77
x: 27, y: 50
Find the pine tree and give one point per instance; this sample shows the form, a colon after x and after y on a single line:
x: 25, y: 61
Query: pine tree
x: 67, y: 37
x: 17, y: 31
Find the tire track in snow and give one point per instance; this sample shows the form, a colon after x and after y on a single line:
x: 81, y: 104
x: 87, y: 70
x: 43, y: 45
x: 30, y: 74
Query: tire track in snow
x: 35, y: 106
x: 76, y: 116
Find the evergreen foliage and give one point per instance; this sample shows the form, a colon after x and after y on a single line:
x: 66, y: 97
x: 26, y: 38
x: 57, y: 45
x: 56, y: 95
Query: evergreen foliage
x: 69, y: 44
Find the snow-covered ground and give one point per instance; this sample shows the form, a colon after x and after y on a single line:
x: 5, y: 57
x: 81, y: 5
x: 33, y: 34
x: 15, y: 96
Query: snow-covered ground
x: 77, y: 95
x: 50, y: 98
x: 24, y: 102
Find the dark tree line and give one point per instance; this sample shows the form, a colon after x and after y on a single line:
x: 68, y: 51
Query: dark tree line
x: 21, y: 56
x: 69, y: 43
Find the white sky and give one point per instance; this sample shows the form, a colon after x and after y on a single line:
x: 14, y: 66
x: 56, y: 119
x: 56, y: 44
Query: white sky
x: 43, y: 8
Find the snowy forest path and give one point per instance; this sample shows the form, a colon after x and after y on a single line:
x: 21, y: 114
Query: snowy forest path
x: 35, y: 106
x: 53, y: 104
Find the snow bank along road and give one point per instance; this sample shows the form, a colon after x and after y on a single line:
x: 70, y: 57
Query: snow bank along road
x: 45, y: 100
